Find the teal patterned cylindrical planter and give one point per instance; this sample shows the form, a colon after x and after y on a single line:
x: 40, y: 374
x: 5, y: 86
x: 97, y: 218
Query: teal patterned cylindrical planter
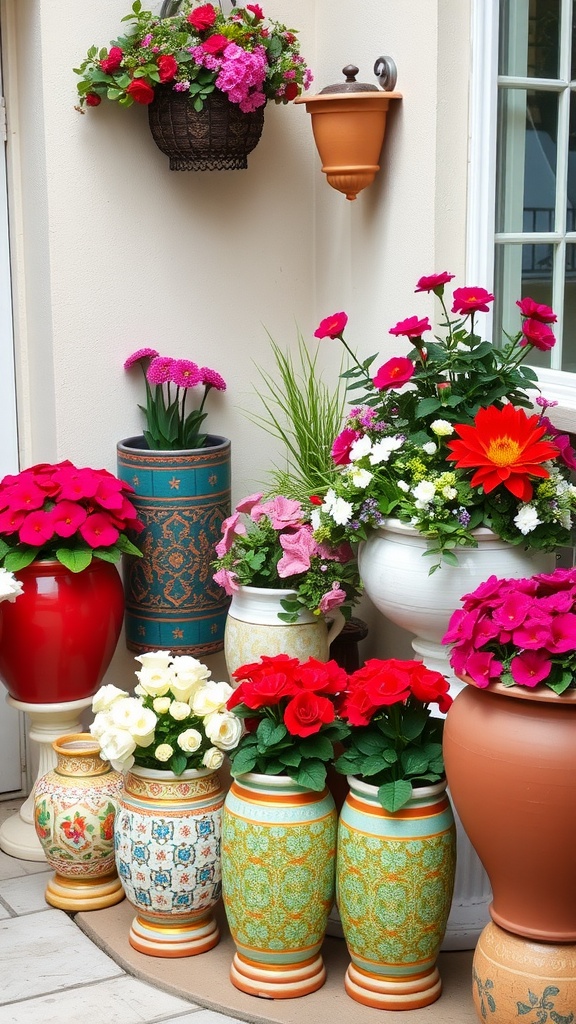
x: 394, y: 883
x: 182, y: 497
x: 278, y: 860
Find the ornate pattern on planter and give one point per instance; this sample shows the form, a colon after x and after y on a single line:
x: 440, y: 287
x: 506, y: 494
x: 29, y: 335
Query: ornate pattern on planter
x: 75, y: 806
x: 278, y: 856
x: 168, y: 834
x: 395, y: 876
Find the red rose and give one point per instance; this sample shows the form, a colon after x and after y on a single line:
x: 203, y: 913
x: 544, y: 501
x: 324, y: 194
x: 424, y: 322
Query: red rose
x: 322, y: 676
x: 215, y: 45
x: 331, y: 326
x: 256, y: 11
x: 538, y: 334
x: 291, y: 91
x: 113, y: 61
x: 307, y: 713
x: 265, y: 692
x: 140, y: 91
x: 203, y: 17
x: 93, y: 99
x: 167, y: 67
x: 357, y: 708
x: 430, y: 687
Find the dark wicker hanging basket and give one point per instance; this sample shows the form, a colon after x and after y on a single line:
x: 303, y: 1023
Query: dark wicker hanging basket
x: 216, y: 138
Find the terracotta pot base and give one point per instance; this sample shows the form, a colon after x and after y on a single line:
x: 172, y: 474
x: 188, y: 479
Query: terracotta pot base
x: 87, y: 894
x: 174, y: 940
x: 514, y: 976
x: 277, y: 982
x: 392, y: 993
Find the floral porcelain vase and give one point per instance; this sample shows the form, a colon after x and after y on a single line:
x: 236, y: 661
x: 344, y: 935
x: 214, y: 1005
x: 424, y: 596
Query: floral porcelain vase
x: 167, y: 837
x: 394, y: 883
x: 253, y: 629
x: 75, y: 806
x: 278, y: 858
x: 511, y: 765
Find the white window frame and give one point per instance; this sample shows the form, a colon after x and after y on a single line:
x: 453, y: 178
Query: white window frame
x: 558, y: 385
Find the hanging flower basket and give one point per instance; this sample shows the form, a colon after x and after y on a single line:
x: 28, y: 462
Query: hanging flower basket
x: 217, y: 138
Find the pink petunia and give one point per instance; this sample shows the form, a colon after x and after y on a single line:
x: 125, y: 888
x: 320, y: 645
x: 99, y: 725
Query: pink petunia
x: 333, y: 598
x: 228, y: 580
x: 530, y: 667
x: 99, y: 531
x: 342, y: 444
x: 298, y: 548
x: 534, y: 634
x: 433, y: 282
x: 513, y: 611
x: 412, y: 327
x: 185, y: 373
x: 482, y: 667
x: 471, y: 300
x: 393, y: 374
x: 247, y: 504
x: 283, y: 513
x: 36, y: 529
x: 231, y: 528
x: 66, y: 517
x: 562, y: 442
x: 331, y: 326
x: 536, y: 310
x: 141, y: 353
x: 562, y: 636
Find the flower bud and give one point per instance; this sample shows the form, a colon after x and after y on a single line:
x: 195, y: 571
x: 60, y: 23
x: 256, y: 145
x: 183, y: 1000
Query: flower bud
x: 444, y: 390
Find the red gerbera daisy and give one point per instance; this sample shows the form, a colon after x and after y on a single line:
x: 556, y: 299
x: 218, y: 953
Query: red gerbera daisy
x: 506, y: 447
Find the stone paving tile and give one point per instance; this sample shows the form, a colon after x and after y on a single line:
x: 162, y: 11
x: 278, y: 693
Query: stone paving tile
x: 122, y: 1000
x: 201, y: 1016
x: 25, y: 895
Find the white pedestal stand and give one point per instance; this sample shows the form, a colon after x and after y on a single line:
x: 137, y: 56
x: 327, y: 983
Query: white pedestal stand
x: 47, y: 722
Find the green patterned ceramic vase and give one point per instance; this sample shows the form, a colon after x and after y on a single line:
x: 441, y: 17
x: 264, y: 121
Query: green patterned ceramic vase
x: 394, y: 882
x: 278, y: 860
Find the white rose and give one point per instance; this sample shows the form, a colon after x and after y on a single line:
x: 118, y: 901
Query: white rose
x: 179, y: 711
x: 189, y: 740
x: 118, y: 745
x: 442, y: 428
x: 105, y: 697
x: 129, y: 713
x: 527, y: 519
x: 161, y: 705
x: 213, y: 759
x: 360, y: 477
x: 224, y: 729
x: 155, y: 661
x: 360, y: 447
x: 155, y: 684
x: 10, y: 587
x: 163, y: 752
x: 101, y: 724
x: 187, y: 675
x: 383, y: 449
x: 210, y: 697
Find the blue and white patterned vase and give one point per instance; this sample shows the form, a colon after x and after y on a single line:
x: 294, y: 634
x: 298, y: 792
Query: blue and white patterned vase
x: 167, y: 839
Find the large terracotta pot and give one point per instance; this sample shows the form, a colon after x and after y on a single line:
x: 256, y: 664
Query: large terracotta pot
x: 75, y: 807
x: 167, y: 838
x: 253, y: 629
x: 182, y: 497
x: 394, y: 880
x: 278, y: 858
x: 59, y: 636
x: 511, y: 764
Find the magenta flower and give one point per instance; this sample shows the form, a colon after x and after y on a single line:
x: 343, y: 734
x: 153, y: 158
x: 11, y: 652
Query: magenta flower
x: 530, y: 667
x: 247, y: 504
x: 66, y: 518
x: 538, y: 334
x: 471, y: 300
x: 160, y: 370
x: 76, y: 484
x: 342, y: 444
x: 412, y: 327
x: 332, y: 599
x: 513, y: 611
x: 226, y: 579
x: 562, y: 442
x: 331, y: 326
x: 141, y: 353
x: 231, y: 528
x: 534, y: 634
x: 24, y: 496
x: 434, y: 282
x: 393, y: 374
x: 99, y: 531
x: 562, y: 635
x: 185, y: 373
x: 536, y: 311
x: 109, y: 493
x: 11, y: 520
x: 212, y: 379
x: 298, y: 548
x: 36, y: 529
x: 483, y: 666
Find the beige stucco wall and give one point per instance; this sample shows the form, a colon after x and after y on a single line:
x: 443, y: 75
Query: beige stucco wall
x: 112, y: 250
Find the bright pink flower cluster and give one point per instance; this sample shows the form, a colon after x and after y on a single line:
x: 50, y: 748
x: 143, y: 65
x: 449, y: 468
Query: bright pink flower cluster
x: 519, y: 631
x: 48, y: 507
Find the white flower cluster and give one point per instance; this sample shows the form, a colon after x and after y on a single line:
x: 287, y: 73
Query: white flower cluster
x: 178, y: 687
x: 10, y: 587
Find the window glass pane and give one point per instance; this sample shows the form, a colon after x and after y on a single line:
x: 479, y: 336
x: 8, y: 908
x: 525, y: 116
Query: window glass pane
x: 520, y: 271
x: 529, y: 38
x: 571, y: 184
x: 526, y: 170
x: 569, y: 329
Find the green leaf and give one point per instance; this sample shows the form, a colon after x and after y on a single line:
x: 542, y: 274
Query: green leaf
x: 413, y: 723
x: 126, y: 547
x: 291, y: 758
x: 20, y: 559
x: 75, y: 559
x: 178, y: 763
x: 393, y: 795
x: 243, y: 760
x: 311, y: 774
x: 317, y: 746
x: 269, y: 734
x: 368, y: 742
x: 114, y: 94
x: 4, y: 549
x: 414, y: 762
